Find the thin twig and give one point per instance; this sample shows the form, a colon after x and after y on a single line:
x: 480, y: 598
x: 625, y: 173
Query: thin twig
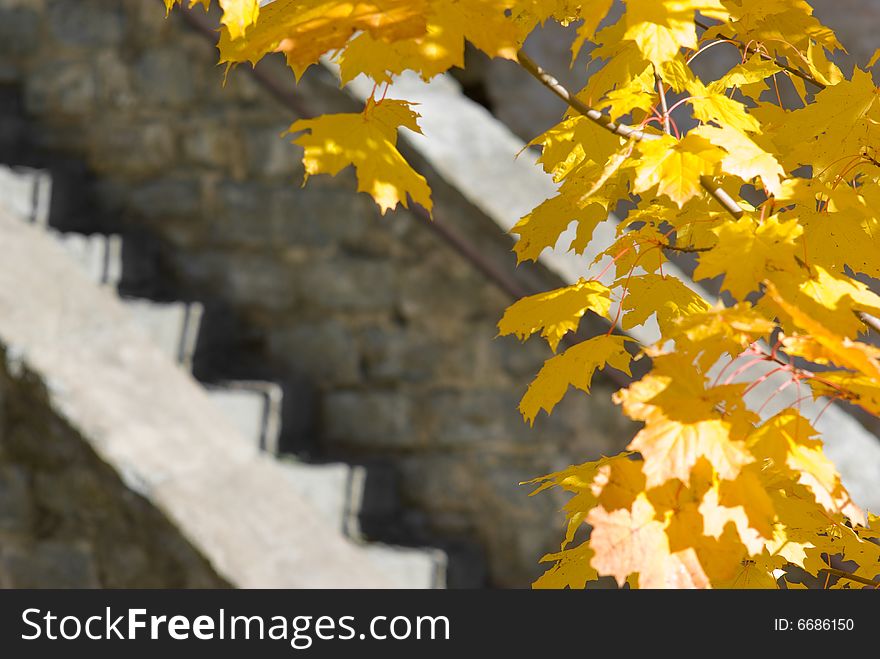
x: 852, y: 577
x: 551, y: 83
x: 688, y: 250
x: 663, y: 106
x: 764, y: 56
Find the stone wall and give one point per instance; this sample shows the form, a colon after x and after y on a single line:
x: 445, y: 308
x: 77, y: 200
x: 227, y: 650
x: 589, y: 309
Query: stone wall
x: 381, y: 335
x: 66, y: 520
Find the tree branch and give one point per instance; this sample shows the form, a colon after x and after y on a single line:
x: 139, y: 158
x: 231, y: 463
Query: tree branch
x: 852, y: 577
x: 869, y: 320
x: 764, y: 56
x: 575, y: 103
x: 686, y: 250
x: 551, y: 83
x: 661, y: 91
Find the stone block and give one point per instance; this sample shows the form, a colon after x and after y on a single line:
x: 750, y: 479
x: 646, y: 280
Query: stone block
x: 211, y: 143
x: 324, y: 350
x: 241, y: 214
x: 61, y: 87
x: 16, y: 509
x: 423, y: 296
x: 165, y: 76
x: 439, y: 481
x: 369, y: 419
x: 317, y: 216
x: 348, y: 284
x: 71, y: 500
x: 521, y: 360
x: 393, y: 353
x: 269, y: 153
x: 19, y: 30
x: 50, y: 564
x: 409, y: 567
x: 113, y: 85
x: 133, y: 150
x: 166, y: 199
x: 87, y: 22
x: 473, y: 417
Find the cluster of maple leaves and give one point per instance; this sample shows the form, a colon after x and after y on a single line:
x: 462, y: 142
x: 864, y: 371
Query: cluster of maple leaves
x: 707, y: 494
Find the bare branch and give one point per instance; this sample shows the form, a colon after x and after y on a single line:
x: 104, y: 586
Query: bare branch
x: 575, y: 103
x: 869, y: 320
x: 551, y: 83
x: 852, y: 577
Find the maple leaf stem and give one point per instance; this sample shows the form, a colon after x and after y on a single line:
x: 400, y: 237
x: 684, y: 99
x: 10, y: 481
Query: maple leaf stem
x: 750, y: 49
x: 551, y: 83
x: 843, y: 574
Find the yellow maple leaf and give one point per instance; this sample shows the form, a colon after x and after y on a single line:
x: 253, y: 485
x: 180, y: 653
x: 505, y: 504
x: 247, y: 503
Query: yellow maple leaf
x: 572, y: 569
x: 719, y: 331
x: 789, y: 442
x: 555, y: 312
x: 671, y: 448
x: 661, y: 29
x: 573, y: 142
x: 306, y: 29
x: 750, y: 573
x: 591, y: 15
x: 238, y: 15
x: 839, y: 239
x: 831, y: 299
x: 617, y: 483
x: 581, y: 480
x: 714, y: 106
x: 685, y: 422
x: 666, y: 296
x: 675, y: 166
x: 574, y: 367
x: 638, y: 247
x: 745, y: 248
x: 440, y: 46
x: 754, y: 70
x: 638, y: 94
x: 675, y: 388
x: 542, y: 227
x: 744, y: 503
x: 842, y: 351
x: 851, y: 387
x: 626, y: 541
x: 623, y: 62
x: 744, y: 157
x: 368, y: 141
x: 837, y: 124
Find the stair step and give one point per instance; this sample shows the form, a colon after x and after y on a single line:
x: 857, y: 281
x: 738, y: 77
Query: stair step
x: 409, y: 567
x: 99, y: 255
x: 328, y: 488
x: 253, y: 407
x: 26, y: 193
x: 173, y: 326
x: 345, y: 493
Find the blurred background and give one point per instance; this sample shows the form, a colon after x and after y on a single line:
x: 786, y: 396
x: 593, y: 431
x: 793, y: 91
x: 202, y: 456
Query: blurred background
x: 215, y: 376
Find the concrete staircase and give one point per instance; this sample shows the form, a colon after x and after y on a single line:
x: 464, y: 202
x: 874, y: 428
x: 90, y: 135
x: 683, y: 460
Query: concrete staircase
x: 337, y: 491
